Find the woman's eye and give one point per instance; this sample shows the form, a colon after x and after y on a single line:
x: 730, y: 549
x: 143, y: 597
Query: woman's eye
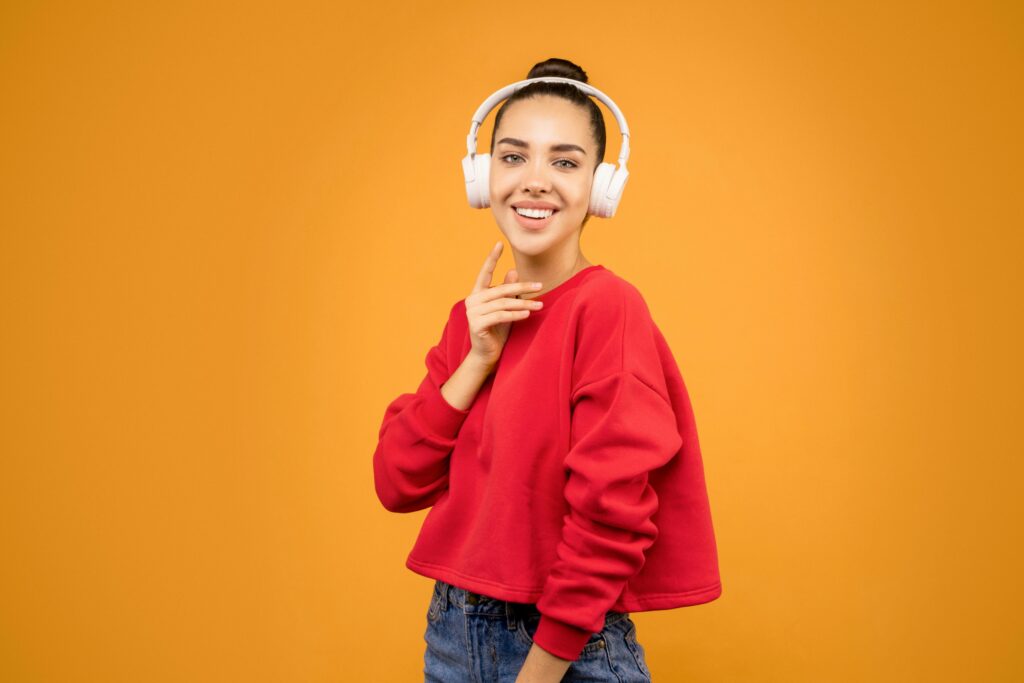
x: 572, y: 164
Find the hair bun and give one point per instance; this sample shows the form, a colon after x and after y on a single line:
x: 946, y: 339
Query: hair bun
x: 561, y: 68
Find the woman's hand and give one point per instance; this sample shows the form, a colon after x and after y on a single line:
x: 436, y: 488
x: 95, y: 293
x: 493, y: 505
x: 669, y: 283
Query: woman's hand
x: 542, y: 667
x: 492, y: 310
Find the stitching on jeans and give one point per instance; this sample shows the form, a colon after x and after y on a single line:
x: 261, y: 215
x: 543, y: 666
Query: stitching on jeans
x: 611, y: 664
x: 634, y: 649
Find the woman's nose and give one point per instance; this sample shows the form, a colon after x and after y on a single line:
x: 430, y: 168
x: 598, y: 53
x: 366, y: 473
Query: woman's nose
x: 536, y: 179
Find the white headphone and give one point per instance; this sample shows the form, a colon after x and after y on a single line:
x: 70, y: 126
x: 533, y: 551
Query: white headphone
x: 608, y: 180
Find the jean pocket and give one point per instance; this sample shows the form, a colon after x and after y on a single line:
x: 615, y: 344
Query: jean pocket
x: 528, y: 622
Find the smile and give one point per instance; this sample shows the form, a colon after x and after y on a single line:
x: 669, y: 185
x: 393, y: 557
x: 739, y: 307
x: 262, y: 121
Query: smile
x: 534, y: 219
x: 534, y: 213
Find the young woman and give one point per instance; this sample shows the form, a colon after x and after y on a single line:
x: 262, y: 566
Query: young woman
x: 552, y: 437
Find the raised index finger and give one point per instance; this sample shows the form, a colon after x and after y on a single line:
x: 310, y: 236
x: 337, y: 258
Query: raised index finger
x: 483, y: 279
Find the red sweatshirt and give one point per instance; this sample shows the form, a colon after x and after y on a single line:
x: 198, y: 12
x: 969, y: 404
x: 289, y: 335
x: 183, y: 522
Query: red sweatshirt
x: 573, y: 481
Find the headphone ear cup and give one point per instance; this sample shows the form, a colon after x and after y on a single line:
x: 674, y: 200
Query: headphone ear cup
x: 483, y: 173
x: 477, y: 169
x: 599, y: 203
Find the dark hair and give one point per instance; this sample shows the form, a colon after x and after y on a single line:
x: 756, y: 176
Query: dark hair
x: 562, y: 68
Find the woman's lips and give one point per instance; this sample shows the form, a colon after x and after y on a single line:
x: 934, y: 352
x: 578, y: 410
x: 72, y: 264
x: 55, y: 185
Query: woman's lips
x: 533, y: 223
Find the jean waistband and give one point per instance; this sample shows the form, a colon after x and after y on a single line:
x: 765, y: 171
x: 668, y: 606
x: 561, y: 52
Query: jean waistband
x: 477, y: 602
x: 470, y: 601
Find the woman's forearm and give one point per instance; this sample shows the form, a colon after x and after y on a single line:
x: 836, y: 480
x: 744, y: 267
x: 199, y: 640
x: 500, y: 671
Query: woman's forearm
x: 462, y: 387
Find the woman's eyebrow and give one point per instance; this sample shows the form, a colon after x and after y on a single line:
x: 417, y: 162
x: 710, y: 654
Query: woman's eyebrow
x: 563, y: 147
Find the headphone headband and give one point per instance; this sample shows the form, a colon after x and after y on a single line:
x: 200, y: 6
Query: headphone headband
x: 497, y: 96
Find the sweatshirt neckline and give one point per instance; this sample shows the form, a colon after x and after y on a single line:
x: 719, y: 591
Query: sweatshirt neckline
x: 571, y: 283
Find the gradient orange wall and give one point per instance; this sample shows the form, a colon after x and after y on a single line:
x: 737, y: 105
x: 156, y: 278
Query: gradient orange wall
x: 231, y: 231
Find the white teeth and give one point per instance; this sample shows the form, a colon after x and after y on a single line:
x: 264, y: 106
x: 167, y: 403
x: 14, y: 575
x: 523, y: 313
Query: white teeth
x: 535, y: 213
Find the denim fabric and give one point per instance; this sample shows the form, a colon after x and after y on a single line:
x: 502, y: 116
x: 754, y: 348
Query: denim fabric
x: 487, y: 642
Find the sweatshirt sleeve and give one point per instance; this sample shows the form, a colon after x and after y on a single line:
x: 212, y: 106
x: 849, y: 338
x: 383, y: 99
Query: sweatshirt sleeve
x: 417, y: 436
x: 621, y: 429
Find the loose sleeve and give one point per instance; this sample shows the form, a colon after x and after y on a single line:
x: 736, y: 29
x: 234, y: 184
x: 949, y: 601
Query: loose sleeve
x: 417, y: 436
x: 622, y: 428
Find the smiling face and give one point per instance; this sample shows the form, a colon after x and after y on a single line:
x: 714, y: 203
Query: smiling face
x: 544, y: 154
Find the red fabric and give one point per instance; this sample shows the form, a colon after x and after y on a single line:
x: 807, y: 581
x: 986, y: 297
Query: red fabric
x: 573, y: 481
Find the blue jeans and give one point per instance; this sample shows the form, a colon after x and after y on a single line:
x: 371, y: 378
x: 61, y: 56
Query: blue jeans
x: 472, y: 638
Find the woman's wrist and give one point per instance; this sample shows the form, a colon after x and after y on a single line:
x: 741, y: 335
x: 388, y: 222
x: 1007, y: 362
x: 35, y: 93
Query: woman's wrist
x: 464, y: 384
x: 477, y: 366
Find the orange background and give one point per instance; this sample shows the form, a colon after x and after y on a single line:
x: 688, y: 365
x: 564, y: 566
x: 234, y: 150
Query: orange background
x: 231, y: 231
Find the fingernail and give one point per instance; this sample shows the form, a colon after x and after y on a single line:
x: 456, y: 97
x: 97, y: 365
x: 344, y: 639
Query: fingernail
x: 536, y: 285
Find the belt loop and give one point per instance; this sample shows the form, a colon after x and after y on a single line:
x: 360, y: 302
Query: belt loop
x: 511, y: 616
x: 444, y: 595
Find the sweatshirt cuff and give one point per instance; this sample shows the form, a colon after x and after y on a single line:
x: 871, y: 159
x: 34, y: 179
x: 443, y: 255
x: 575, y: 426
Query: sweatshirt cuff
x: 560, y: 639
x: 440, y: 416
